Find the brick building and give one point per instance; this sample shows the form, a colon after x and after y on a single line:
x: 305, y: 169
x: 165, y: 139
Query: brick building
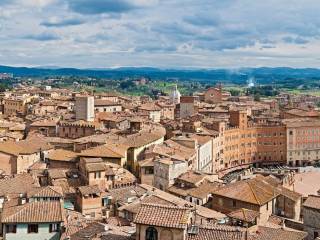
x: 77, y: 129
x: 243, y: 143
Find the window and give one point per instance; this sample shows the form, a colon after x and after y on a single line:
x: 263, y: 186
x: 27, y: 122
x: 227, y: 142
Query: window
x: 97, y: 175
x: 234, y: 203
x: 54, y: 227
x: 106, y: 202
x: 12, y: 228
x: 32, y: 228
x: 151, y: 233
x: 149, y: 170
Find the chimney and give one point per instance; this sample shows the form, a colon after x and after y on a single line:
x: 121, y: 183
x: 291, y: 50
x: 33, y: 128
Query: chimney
x: 22, y: 199
x: 283, y: 224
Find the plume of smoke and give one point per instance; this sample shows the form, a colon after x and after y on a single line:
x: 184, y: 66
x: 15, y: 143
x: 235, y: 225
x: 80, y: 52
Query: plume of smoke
x: 251, y: 82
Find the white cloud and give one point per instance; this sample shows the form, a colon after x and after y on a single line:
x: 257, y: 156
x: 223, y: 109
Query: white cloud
x: 167, y: 33
x: 37, y: 3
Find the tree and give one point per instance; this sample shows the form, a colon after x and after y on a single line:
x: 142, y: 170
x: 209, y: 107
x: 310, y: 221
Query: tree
x: 257, y: 97
x: 234, y: 92
x: 3, y: 87
x: 126, y: 84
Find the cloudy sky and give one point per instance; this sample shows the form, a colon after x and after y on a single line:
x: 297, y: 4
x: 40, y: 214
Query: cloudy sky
x: 160, y: 33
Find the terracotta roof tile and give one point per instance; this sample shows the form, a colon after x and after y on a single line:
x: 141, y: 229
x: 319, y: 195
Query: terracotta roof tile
x: 56, y: 173
x: 203, y: 212
x: 144, y: 137
x: 217, y: 233
x: 86, y: 190
x: 48, y: 191
x: 104, y: 102
x: 29, y: 146
x: 102, y: 151
x: 62, y: 155
x: 245, y: 215
x: 312, y: 202
x: 96, y: 167
x: 163, y: 215
x: 36, y: 212
x: 253, y: 191
x: 150, y: 107
x: 192, y: 177
x: 265, y: 233
x: 288, y: 193
x: 21, y: 183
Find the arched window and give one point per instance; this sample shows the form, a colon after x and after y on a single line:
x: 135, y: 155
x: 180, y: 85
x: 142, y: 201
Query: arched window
x: 151, y: 233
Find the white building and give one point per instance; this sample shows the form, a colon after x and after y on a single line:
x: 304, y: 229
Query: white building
x: 175, y: 95
x: 166, y: 170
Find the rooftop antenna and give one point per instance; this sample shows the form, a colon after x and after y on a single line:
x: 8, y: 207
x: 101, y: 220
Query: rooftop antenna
x: 195, y: 213
x: 194, y: 229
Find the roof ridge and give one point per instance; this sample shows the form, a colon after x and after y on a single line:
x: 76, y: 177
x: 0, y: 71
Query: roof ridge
x: 244, y: 214
x: 53, y: 188
x: 273, y: 189
x: 253, y: 192
x: 165, y: 206
x: 222, y: 228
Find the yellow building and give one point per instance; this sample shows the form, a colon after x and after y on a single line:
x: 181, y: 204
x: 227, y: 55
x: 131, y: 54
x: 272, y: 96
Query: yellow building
x: 16, y: 106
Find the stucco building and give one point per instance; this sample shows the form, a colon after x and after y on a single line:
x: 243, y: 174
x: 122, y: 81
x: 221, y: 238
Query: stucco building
x: 187, y: 106
x: 102, y: 105
x: 303, y: 141
x: 311, y: 216
x: 84, y: 107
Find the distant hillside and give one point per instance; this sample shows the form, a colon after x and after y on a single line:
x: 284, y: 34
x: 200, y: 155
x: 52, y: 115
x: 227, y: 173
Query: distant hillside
x: 240, y: 76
